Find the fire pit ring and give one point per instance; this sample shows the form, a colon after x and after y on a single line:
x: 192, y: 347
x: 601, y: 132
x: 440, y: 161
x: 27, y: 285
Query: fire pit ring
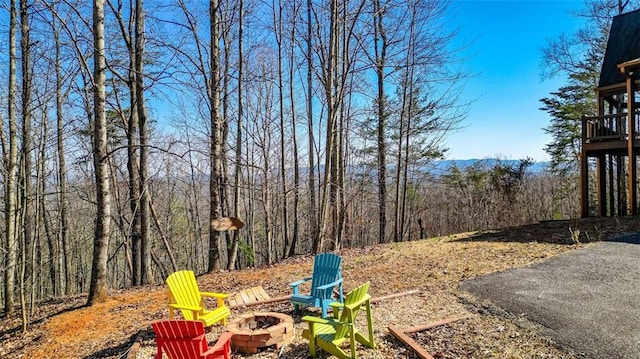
x: 259, y: 330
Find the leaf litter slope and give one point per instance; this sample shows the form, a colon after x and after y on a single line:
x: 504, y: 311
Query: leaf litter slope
x: 63, y: 328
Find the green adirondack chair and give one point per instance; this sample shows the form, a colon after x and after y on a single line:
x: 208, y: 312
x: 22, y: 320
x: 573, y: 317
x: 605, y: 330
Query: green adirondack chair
x: 332, y: 334
x: 327, y: 274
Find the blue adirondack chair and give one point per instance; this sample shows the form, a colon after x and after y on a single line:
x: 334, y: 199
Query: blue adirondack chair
x: 327, y: 274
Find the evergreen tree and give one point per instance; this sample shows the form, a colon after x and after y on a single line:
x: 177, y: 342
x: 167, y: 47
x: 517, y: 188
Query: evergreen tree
x: 578, y: 58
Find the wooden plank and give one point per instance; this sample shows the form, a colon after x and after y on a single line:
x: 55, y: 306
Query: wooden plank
x: 245, y: 297
x: 260, y: 293
x: 253, y: 294
x: 263, y: 294
x: 398, y: 333
x: 401, y: 334
x: 235, y: 299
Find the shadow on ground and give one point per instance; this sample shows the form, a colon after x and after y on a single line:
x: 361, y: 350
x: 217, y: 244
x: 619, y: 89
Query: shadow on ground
x: 571, y: 231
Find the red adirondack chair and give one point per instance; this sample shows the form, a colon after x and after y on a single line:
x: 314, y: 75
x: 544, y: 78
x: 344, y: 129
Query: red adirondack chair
x: 185, y: 339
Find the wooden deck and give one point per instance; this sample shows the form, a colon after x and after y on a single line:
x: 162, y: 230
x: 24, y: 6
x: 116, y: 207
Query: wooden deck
x: 609, y: 133
x: 248, y: 296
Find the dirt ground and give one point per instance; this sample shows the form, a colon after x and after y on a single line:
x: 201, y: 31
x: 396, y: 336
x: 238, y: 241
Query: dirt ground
x: 65, y: 328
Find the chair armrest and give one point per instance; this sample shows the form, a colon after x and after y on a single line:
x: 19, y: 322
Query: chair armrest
x: 317, y: 320
x: 214, y: 295
x: 222, y: 341
x: 219, y: 296
x: 185, y: 307
x: 298, y: 282
x: 329, y: 285
x: 312, y: 319
x: 197, y: 338
x: 336, y: 308
x: 353, y: 305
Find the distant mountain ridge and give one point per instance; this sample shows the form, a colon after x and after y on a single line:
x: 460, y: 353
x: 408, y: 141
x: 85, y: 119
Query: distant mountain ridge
x: 443, y: 166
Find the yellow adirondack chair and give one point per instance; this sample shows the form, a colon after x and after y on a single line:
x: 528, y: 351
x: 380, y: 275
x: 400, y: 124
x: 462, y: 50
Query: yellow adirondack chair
x: 185, y: 296
x: 331, y: 334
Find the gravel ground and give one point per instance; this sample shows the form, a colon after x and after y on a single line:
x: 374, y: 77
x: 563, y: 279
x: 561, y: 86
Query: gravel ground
x: 65, y: 328
x: 480, y: 336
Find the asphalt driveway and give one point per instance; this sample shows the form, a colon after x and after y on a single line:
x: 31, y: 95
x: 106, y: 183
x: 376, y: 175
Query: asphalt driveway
x: 587, y: 299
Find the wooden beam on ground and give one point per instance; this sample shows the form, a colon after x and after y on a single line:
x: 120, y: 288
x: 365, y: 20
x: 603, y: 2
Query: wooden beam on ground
x: 401, y: 334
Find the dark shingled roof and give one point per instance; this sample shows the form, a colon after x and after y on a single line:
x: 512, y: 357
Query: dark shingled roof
x: 623, y: 45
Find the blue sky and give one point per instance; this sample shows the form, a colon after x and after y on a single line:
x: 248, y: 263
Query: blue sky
x: 506, y: 39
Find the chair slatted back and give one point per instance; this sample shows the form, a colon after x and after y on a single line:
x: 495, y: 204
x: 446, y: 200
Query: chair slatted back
x: 184, y: 290
x: 326, y: 269
x: 352, y: 304
x: 180, y: 339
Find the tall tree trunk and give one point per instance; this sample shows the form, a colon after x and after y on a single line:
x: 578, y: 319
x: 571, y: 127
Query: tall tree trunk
x: 225, y: 29
x: 26, y: 162
x: 51, y: 241
x: 329, y: 203
x: 141, y: 107
x: 62, y: 168
x: 233, y: 253
x: 11, y: 160
x: 408, y: 108
x: 132, y: 122
x: 277, y: 22
x: 215, y: 139
x: 343, y: 124
x: 294, y: 137
x: 380, y: 48
x: 313, y: 213
x: 98, y: 286
x: 134, y: 175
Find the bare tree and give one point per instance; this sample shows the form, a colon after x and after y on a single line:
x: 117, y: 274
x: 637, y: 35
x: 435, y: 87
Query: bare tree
x: 137, y: 140
x: 314, y: 227
x: 216, y: 138
x: 233, y: 252
x: 381, y: 44
x: 10, y: 159
x: 147, y: 276
x: 278, y: 31
x: 336, y: 63
x: 295, y: 5
x: 62, y: 167
x: 98, y: 287
x: 26, y: 214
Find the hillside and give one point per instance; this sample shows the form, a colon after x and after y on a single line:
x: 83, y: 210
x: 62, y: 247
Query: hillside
x: 63, y: 328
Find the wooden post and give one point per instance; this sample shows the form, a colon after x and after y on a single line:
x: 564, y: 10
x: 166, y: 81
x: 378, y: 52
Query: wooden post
x: 631, y: 124
x: 584, y: 177
x: 601, y: 164
x: 621, y: 205
x: 612, y: 206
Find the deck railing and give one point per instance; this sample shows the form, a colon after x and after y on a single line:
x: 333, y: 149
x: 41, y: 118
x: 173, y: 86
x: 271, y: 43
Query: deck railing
x: 609, y: 127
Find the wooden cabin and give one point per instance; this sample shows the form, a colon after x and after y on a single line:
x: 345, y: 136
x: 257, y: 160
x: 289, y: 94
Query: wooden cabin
x: 612, y: 138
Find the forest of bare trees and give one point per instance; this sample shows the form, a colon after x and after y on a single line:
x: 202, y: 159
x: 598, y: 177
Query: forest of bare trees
x: 128, y: 127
